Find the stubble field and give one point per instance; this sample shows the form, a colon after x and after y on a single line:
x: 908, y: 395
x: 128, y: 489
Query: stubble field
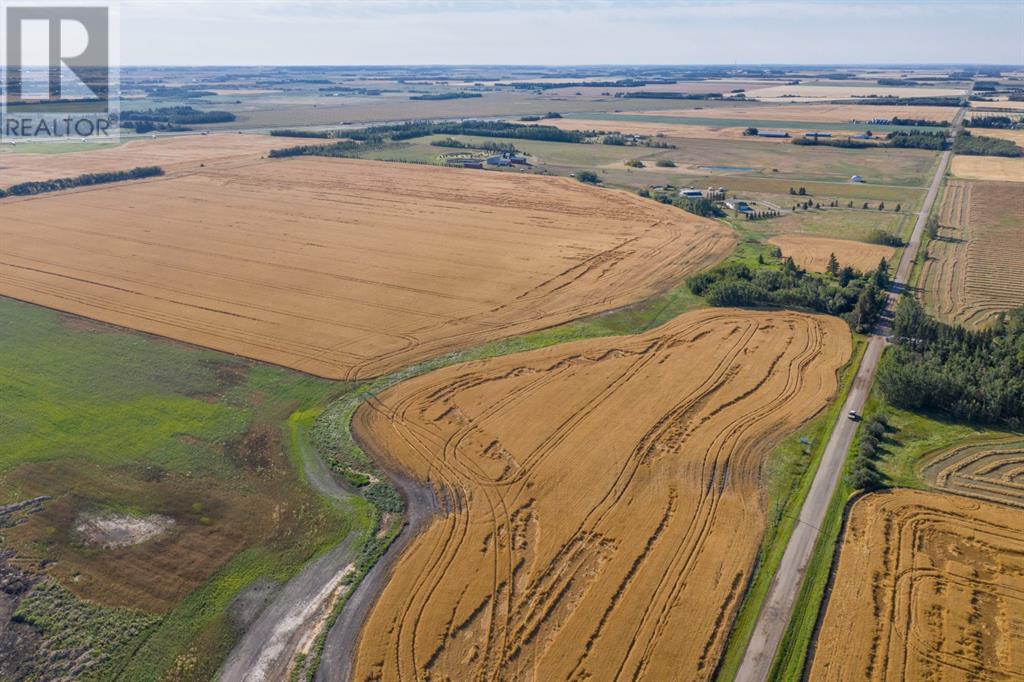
x: 998, y: 168
x: 992, y: 471
x: 812, y: 253
x: 975, y: 268
x: 576, y: 550
x: 929, y: 587
x: 346, y: 268
x: 170, y: 153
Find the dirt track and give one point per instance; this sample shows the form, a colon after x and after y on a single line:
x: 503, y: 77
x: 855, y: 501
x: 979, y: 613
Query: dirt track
x: 345, y: 268
x: 930, y: 586
x: 572, y: 549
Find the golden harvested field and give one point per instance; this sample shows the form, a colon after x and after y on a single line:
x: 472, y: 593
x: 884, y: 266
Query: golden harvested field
x: 615, y: 536
x: 975, y: 268
x: 826, y: 113
x: 988, y: 168
x: 346, y: 268
x: 930, y: 586
x: 171, y: 153
x: 1015, y: 136
x: 992, y: 471
x: 812, y: 252
x: 997, y: 106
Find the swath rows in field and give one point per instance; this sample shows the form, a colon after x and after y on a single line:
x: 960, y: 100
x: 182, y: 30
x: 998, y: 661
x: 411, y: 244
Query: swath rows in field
x: 991, y: 471
x: 975, y: 268
x: 602, y: 500
x: 930, y: 586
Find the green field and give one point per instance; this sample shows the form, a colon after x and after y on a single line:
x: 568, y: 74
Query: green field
x: 54, y: 147
x: 108, y: 422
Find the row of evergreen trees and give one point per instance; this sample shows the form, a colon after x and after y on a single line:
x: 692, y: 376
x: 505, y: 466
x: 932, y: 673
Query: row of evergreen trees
x: 976, y: 376
x: 41, y: 186
x: 855, y: 296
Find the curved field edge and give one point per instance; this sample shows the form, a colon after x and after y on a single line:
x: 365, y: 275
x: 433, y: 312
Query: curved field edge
x: 332, y: 432
x: 791, y: 469
x: 537, y: 366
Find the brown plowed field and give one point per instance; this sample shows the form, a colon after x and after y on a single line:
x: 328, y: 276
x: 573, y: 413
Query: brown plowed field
x: 975, y: 268
x: 812, y: 252
x: 345, y: 268
x: 991, y: 471
x: 170, y: 153
x: 602, y: 498
x: 930, y: 586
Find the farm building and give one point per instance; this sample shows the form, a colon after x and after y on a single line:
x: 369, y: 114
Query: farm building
x: 498, y: 160
x: 856, y: 178
x: 772, y: 133
x: 690, y: 193
x: 817, y: 135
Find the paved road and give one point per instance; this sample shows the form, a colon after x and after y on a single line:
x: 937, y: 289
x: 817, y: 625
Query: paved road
x: 778, y: 605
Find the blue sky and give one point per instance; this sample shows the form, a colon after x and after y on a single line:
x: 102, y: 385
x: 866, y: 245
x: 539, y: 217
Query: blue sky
x: 571, y: 32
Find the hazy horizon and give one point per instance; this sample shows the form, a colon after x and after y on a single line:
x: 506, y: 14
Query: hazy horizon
x: 587, y: 32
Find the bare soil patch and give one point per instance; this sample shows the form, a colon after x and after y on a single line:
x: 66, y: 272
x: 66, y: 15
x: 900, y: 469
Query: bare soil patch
x: 346, y: 268
x: 613, y: 537
x: 110, y: 530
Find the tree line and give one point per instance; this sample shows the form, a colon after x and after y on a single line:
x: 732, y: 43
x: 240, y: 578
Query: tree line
x: 975, y: 376
x: 843, y: 291
x: 86, y: 179
x: 408, y: 131
x: 343, y: 148
x: 979, y: 145
x: 163, y: 118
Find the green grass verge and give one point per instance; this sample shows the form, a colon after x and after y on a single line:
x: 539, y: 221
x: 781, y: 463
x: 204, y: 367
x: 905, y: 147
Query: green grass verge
x: 790, y: 471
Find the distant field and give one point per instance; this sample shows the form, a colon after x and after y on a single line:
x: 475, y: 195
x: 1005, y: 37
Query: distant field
x: 346, y: 268
x: 126, y: 431
x: 571, y: 549
x: 802, y: 92
x: 841, y: 113
x: 975, y: 268
x: 813, y: 253
x: 929, y: 586
x: 732, y: 119
x: 1016, y: 136
x: 988, y: 168
x: 182, y: 152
